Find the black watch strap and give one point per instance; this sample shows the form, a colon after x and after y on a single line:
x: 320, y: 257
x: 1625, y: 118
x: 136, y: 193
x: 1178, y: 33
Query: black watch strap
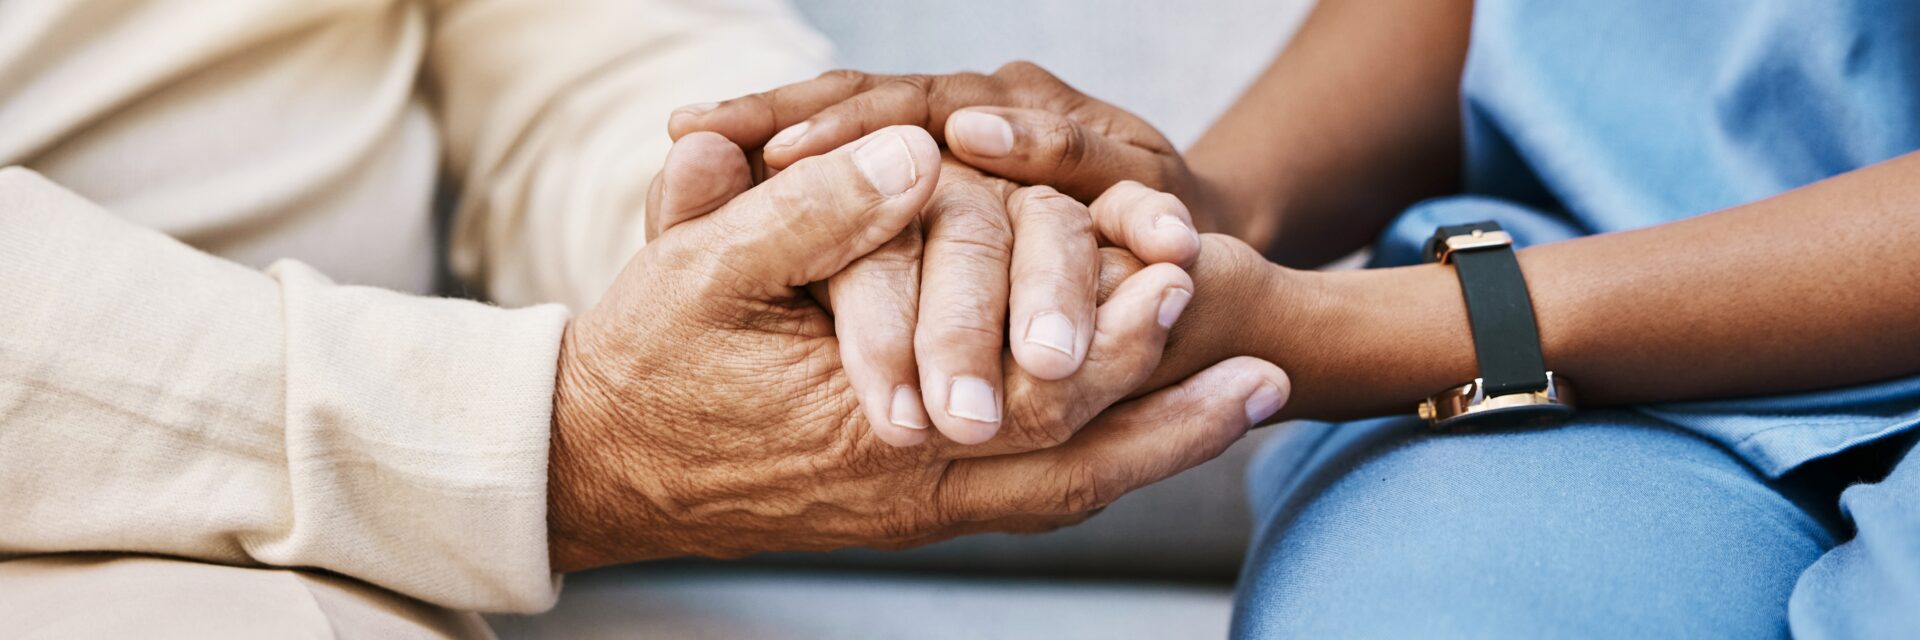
x: 1506, y: 341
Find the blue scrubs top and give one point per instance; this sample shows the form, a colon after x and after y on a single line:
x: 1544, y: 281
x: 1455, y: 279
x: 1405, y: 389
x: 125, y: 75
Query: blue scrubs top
x: 1607, y: 115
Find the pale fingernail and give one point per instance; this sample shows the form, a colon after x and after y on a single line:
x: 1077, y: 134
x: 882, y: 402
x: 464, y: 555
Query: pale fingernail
x: 1173, y: 223
x: 972, y: 399
x: 1051, y: 330
x: 789, y: 135
x: 906, y: 409
x: 1263, y: 403
x: 1172, y: 303
x: 983, y: 134
x: 696, y: 109
x: 887, y: 163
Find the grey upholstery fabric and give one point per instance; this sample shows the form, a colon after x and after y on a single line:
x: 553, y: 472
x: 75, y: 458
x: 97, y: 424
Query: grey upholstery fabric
x: 741, y: 602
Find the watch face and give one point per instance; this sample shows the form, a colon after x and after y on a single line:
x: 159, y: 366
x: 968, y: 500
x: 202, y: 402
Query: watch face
x: 1531, y: 415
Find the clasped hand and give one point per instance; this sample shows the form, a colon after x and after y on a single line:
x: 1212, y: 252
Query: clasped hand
x: 712, y: 402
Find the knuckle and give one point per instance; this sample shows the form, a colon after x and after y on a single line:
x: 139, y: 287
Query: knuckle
x: 1163, y: 201
x: 1021, y: 69
x: 957, y: 328
x: 1130, y: 193
x: 970, y: 216
x: 760, y: 105
x: 1126, y: 191
x: 847, y: 76
x: 804, y: 189
x: 1060, y: 276
x: 1060, y: 212
x: 1151, y: 205
x: 1066, y: 147
x: 961, y: 80
x: 955, y: 499
x: 1082, y: 489
x: 917, y: 82
x: 1043, y: 424
x: 901, y: 525
x: 981, y: 248
x: 887, y: 270
x: 898, y: 100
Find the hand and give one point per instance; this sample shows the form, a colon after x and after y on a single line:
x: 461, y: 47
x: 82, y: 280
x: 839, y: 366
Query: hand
x: 701, y: 409
x: 924, y: 315
x: 1021, y: 123
x: 985, y: 258
x: 1355, y: 343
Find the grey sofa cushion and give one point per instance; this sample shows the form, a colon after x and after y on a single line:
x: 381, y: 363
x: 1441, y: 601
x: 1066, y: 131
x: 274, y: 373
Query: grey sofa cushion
x: 738, y: 602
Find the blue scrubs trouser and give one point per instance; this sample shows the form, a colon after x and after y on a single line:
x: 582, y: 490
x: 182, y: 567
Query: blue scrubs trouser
x: 1614, y: 525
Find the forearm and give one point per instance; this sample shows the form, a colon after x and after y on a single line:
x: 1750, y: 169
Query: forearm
x: 160, y: 400
x: 1815, y: 288
x: 1356, y: 119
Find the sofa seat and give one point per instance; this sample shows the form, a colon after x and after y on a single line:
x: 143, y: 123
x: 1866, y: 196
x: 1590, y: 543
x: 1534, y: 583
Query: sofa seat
x: 750, y: 601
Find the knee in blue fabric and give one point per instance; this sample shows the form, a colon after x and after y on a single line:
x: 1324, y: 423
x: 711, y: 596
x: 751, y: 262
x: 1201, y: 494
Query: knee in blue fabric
x: 1869, y: 586
x: 1613, y: 525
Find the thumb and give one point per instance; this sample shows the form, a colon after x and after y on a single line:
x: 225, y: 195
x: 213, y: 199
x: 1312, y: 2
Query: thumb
x: 702, y: 172
x: 822, y: 213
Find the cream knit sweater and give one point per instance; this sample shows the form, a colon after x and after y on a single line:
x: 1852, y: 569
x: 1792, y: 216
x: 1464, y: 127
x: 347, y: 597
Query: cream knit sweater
x: 158, y: 399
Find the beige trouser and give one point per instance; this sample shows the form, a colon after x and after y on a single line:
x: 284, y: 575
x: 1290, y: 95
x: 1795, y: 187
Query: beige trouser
x: 118, y: 596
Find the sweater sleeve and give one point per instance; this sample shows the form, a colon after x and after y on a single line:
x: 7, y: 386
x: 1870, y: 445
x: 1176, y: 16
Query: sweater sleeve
x: 155, y: 399
x: 556, y: 120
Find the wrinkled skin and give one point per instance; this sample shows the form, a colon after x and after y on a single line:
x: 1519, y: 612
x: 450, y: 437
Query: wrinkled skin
x: 702, y: 407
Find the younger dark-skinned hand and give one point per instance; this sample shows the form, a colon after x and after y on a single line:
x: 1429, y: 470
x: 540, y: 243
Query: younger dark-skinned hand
x: 1020, y: 123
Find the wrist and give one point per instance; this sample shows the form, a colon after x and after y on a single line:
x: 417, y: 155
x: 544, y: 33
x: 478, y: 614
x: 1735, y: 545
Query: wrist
x: 603, y: 494
x: 571, y: 545
x: 1246, y: 214
x: 1372, y: 342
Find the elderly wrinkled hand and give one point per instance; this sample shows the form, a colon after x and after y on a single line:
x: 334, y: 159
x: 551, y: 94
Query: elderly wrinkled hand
x: 702, y: 407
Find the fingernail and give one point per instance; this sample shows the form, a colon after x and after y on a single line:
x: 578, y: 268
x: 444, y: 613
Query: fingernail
x: 789, y: 135
x: 1172, y: 303
x: 1172, y: 222
x: 887, y: 163
x: 906, y: 409
x: 696, y: 109
x: 972, y: 399
x: 1051, y: 330
x: 983, y: 134
x: 1264, y: 402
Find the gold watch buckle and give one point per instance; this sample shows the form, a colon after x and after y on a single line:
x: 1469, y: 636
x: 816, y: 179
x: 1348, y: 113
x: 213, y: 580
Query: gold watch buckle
x: 1471, y: 398
x: 1478, y: 239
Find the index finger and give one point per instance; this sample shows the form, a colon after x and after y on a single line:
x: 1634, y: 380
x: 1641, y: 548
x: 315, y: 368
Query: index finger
x: 918, y: 100
x: 751, y: 120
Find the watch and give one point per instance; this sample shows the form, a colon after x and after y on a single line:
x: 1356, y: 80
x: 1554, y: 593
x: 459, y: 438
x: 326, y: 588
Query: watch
x: 1514, y: 388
